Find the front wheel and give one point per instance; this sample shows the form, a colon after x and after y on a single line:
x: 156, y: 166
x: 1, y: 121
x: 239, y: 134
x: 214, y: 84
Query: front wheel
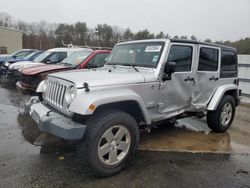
x: 221, y: 119
x: 110, y: 141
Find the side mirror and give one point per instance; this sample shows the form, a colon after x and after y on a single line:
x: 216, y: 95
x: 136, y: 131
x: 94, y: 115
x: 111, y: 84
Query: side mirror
x: 169, y: 69
x: 14, y: 56
x: 48, y: 61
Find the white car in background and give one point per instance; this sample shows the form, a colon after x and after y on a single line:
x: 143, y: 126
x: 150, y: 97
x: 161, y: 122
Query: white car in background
x: 53, y: 55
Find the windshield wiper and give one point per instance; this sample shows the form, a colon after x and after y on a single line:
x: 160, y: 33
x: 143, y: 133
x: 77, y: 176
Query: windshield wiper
x: 137, y: 70
x: 131, y: 65
x: 111, y: 63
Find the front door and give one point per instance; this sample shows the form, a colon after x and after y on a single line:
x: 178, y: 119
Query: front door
x: 207, y: 75
x: 177, y: 92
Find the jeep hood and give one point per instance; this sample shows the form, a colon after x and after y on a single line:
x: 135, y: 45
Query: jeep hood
x: 42, y: 68
x: 106, y: 76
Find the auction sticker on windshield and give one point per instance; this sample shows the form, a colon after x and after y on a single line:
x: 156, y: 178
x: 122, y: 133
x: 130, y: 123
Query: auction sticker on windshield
x: 153, y: 49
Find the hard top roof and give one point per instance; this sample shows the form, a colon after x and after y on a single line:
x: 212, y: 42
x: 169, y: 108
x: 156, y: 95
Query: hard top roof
x: 223, y: 47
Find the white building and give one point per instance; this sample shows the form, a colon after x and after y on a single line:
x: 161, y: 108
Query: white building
x: 10, y: 40
x: 244, y: 73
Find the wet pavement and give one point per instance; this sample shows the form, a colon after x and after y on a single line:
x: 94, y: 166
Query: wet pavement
x: 193, y: 135
x: 186, y: 155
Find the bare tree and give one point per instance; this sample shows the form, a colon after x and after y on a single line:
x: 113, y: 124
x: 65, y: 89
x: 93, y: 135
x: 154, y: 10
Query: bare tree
x: 5, y: 19
x: 160, y: 35
x: 128, y: 35
x: 117, y: 34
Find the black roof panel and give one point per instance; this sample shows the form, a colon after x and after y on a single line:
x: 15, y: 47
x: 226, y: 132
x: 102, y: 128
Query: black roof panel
x: 228, y: 48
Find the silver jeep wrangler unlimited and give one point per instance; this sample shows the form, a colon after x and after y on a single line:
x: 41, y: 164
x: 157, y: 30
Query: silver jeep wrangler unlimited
x: 142, y: 83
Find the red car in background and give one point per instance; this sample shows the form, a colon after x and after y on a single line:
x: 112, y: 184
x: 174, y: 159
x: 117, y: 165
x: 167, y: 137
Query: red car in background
x: 32, y: 76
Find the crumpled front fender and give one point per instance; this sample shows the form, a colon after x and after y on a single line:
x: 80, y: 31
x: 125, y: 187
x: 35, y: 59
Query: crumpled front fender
x: 40, y: 87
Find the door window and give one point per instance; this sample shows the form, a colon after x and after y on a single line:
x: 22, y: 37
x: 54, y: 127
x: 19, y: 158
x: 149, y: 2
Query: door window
x: 228, y: 64
x: 182, y: 56
x: 208, y: 60
x: 57, y: 57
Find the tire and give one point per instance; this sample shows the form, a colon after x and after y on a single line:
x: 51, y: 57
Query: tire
x: 99, y: 127
x: 226, y: 108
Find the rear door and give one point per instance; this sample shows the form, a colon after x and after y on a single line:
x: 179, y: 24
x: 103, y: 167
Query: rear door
x: 208, y: 73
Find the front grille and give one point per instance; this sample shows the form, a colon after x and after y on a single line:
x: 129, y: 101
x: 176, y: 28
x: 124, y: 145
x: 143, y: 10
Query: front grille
x: 55, y: 93
x: 13, y: 74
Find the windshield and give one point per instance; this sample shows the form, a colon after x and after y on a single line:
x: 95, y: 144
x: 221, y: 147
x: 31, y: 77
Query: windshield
x: 146, y: 54
x: 76, y: 58
x: 29, y: 56
x: 41, y: 57
x: 15, y: 53
x: 21, y: 53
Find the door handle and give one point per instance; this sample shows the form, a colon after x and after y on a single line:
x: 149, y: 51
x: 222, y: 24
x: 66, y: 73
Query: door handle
x: 188, y: 79
x: 213, y: 78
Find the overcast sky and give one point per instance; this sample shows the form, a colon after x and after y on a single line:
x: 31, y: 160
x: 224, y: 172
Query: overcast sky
x: 214, y: 19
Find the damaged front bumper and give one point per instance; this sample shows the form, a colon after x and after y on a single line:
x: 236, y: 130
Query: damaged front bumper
x: 10, y: 76
x: 52, y: 122
x: 25, y: 89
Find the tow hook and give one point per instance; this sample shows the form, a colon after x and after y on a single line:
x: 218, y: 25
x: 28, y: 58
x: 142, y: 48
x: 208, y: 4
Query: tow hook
x: 33, y: 101
x: 146, y: 128
x: 49, y: 112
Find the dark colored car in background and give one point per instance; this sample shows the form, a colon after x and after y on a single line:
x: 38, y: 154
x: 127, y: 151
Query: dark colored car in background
x: 16, y: 56
x: 32, y: 76
x: 4, y: 67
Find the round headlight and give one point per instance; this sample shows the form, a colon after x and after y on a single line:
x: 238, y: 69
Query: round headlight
x: 16, y: 67
x: 70, y: 94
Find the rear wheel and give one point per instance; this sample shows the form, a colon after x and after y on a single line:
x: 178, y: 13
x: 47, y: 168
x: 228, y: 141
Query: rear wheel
x: 221, y: 119
x: 110, y: 141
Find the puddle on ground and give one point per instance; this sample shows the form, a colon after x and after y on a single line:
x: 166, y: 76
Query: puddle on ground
x: 192, y: 135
